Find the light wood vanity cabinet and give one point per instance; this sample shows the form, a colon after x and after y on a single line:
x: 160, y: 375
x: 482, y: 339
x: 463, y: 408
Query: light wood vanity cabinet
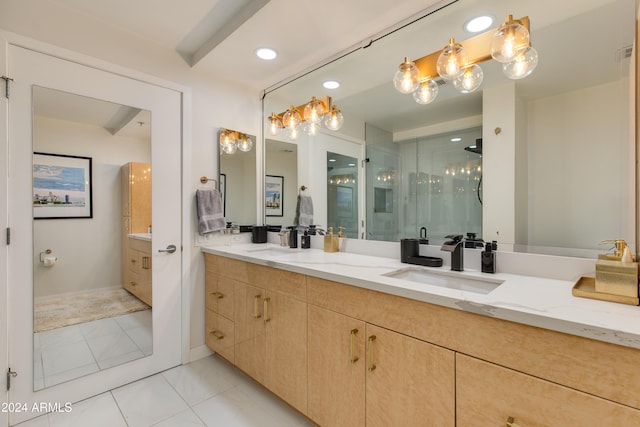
x: 138, y: 266
x: 136, y: 218
x: 361, y: 374
x: 487, y: 395
x: 433, y: 365
x: 268, y: 320
x: 219, y: 304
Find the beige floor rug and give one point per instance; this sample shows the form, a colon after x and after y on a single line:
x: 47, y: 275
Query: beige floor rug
x: 71, y: 309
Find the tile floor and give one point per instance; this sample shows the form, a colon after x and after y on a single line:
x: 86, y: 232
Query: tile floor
x: 207, y: 392
x: 70, y: 352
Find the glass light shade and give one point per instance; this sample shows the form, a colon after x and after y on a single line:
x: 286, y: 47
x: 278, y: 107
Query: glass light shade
x: 275, y: 125
x: 426, y: 93
x: 509, y: 41
x: 452, y: 61
x: 291, y: 118
x: 312, y: 129
x: 244, y: 143
x: 470, y: 80
x: 226, y: 138
x: 522, y: 66
x: 334, y: 120
x: 293, y: 134
x: 229, y: 148
x: 406, y: 79
x: 314, y: 111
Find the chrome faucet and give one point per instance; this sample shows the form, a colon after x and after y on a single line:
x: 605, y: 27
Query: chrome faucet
x: 455, y: 246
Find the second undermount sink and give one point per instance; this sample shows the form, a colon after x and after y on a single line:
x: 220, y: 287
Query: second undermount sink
x: 449, y: 280
x: 271, y: 251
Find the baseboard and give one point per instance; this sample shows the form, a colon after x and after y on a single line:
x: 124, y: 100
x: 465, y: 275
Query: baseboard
x: 199, y: 353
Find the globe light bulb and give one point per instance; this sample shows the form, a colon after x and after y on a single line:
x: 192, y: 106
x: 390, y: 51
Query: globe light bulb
x: 314, y: 111
x: 244, y: 143
x: 312, y: 129
x: 426, y: 93
x: 291, y: 118
x: 274, y: 123
x: 334, y: 119
x: 522, y: 66
x: 406, y: 78
x: 509, y: 41
x: 470, y: 79
x: 452, y: 61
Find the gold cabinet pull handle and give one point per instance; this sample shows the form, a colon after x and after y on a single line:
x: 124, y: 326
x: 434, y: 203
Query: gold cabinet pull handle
x: 218, y: 295
x: 353, y: 358
x: 146, y: 263
x: 133, y: 283
x: 256, y: 314
x: 219, y: 335
x: 266, y: 310
x: 511, y: 422
x: 372, y: 366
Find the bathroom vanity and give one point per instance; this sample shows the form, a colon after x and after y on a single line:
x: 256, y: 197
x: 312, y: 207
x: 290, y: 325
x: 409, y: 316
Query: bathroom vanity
x: 345, y: 342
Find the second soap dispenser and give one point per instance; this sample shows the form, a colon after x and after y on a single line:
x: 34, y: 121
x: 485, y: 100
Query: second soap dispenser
x: 331, y: 242
x: 489, y: 257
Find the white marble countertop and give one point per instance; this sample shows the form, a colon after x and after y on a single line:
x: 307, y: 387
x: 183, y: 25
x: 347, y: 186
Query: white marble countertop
x: 541, y: 302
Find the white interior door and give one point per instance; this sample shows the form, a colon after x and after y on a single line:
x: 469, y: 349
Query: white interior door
x: 28, y: 69
x: 4, y: 416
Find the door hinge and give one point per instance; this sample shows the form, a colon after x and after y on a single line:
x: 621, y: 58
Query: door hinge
x: 10, y: 374
x: 8, y: 235
x: 7, y: 81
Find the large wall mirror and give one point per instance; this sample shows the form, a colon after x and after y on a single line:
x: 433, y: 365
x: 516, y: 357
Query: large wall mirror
x: 91, y: 235
x: 558, y: 165
x: 237, y: 178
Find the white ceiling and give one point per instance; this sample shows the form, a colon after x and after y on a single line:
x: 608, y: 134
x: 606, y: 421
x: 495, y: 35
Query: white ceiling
x: 219, y: 38
x: 223, y: 34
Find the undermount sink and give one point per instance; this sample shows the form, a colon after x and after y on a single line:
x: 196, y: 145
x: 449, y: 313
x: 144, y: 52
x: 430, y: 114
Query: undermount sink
x: 447, y: 280
x: 271, y: 251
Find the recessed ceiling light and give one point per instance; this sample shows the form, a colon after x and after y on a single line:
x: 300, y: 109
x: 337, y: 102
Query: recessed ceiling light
x: 457, y: 139
x: 331, y: 84
x: 352, y: 164
x: 266, y: 53
x: 332, y: 160
x: 478, y: 24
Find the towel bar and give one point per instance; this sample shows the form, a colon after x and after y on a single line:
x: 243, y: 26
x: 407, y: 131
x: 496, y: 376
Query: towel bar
x: 204, y: 180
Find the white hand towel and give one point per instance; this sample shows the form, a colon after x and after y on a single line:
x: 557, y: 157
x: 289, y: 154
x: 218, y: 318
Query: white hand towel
x: 210, y: 215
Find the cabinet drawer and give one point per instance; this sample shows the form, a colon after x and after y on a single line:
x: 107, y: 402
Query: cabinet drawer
x: 219, y: 294
x: 219, y: 335
x: 138, y: 286
x: 487, y: 395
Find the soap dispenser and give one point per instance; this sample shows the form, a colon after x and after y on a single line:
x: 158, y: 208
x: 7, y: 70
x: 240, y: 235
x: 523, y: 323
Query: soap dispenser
x: 330, y: 241
x: 489, y: 257
x: 342, y: 240
x: 305, y: 240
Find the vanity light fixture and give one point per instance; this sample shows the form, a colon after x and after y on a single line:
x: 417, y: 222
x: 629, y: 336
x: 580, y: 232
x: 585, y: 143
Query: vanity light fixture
x: 459, y: 61
x: 313, y: 114
x: 232, y: 140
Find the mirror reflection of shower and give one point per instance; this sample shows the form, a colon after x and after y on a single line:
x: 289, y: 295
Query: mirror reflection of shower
x: 92, y: 235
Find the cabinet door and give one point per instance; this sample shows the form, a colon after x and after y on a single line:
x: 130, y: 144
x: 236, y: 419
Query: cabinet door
x: 409, y: 382
x: 250, y: 337
x: 336, y: 369
x: 286, y: 323
x: 487, y: 395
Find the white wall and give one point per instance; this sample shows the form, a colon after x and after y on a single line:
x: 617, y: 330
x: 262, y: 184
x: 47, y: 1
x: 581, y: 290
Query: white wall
x: 88, y: 250
x: 214, y: 104
x: 574, y: 140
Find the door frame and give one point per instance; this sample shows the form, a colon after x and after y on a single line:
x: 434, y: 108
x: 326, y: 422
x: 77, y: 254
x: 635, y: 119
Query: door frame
x: 8, y: 39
